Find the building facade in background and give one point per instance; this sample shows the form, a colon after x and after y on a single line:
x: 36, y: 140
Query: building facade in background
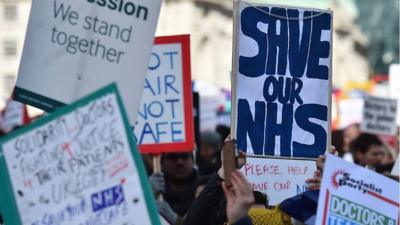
x: 13, y: 23
x: 209, y: 22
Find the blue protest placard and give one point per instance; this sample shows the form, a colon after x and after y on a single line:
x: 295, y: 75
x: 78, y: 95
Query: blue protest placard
x: 282, y: 80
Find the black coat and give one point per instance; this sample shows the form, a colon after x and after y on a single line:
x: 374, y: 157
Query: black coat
x: 181, y: 201
x: 208, y: 205
x: 243, y: 221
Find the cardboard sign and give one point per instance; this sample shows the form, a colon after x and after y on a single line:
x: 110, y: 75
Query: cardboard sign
x: 15, y: 114
x: 350, y: 112
x: 278, y: 178
x: 165, y: 117
x: 351, y: 194
x: 74, y: 47
x: 394, y: 86
x: 282, y: 80
x: 78, y: 165
x: 379, y: 116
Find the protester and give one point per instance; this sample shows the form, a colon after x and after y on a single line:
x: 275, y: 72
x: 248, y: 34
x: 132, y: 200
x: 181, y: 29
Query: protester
x: 201, y: 183
x: 389, y: 156
x: 168, y: 215
x: 180, y: 181
x: 367, y: 150
x: 239, y: 199
x: 210, y: 206
x: 260, y: 200
x: 209, y: 159
x: 350, y: 133
x: 206, y: 208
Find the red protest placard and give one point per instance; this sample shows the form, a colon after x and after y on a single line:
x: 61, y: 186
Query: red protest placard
x: 165, y: 116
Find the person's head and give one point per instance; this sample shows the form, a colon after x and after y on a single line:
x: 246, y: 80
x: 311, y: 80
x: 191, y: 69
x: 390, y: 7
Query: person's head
x: 210, y: 145
x: 177, y: 166
x: 349, y: 134
x: 367, y: 150
x: 260, y: 200
x: 389, y: 156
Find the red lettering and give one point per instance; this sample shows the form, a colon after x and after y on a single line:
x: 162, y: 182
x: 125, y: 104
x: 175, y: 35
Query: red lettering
x: 295, y: 170
x: 258, y: 170
x: 262, y: 187
x: 282, y: 186
x: 247, y: 168
x: 275, y: 170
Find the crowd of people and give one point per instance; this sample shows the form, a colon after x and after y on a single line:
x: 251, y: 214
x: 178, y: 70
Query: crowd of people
x: 190, y: 189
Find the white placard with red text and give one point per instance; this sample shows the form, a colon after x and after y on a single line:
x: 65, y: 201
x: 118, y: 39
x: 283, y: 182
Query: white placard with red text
x: 351, y: 194
x: 278, y: 178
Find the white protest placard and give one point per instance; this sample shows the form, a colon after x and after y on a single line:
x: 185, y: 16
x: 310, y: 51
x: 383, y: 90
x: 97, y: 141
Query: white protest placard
x: 394, y: 86
x: 278, y: 178
x: 282, y: 80
x: 165, y: 117
x: 379, y: 116
x: 79, y: 165
x: 74, y: 47
x: 351, y: 194
x: 350, y: 112
x: 15, y: 114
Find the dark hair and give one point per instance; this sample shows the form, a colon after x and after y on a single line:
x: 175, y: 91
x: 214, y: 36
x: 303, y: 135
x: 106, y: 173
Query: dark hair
x: 175, y: 155
x: 337, y: 140
x: 260, y: 198
x: 363, y: 142
x: 223, y: 131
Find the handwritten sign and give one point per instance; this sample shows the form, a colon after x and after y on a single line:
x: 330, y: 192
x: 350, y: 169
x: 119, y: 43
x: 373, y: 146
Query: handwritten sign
x: 165, y: 118
x: 351, y: 194
x: 74, y: 47
x: 76, y: 166
x: 278, y: 178
x: 379, y: 116
x: 282, y: 80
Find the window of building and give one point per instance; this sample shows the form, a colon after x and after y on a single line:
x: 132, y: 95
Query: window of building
x: 10, y: 48
x: 9, y: 82
x: 10, y: 12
